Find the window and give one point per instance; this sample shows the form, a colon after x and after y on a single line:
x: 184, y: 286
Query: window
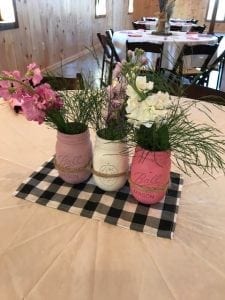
x: 130, y: 6
x: 8, y: 15
x: 100, y: 8
x: 220, y: 16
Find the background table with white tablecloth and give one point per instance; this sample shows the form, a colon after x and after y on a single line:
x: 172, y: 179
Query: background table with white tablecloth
x: 172, y: 44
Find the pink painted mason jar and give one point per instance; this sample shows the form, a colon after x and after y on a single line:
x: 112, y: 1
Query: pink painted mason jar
x: 150, y: 175
x: 73, y: 156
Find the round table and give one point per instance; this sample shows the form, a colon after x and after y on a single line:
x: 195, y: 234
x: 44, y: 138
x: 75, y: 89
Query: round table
x: 172, y: 44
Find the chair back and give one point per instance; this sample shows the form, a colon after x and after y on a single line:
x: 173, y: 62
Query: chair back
x: 138, y: 26
x: 194, y: 21
x: 204, y: 93
x: 110, y: 58
x: 64, y: 83
x: 175, y: 28
x: 217, y: 64
x: 150, y: 19
x: 188, y: 50
x: 148, y: 47
x: 104, y: 42
x: 199, y: 29
x: 108, y: 47
x: 219, y: 37
x: 189, y: 21
x: 109, y: 33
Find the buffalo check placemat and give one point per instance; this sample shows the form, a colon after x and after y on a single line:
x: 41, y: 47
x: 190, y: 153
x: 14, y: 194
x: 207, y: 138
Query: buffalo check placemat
x: 118, y: 208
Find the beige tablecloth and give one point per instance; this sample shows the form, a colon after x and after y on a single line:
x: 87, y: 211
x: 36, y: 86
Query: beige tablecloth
x: 46, y: 254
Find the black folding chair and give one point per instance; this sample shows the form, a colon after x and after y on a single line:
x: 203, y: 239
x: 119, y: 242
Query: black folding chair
x: 148, y: 47
x: 64, y: 83
x: 138, y: 26
x: 109, y: 59
x: 175, y: 28
x: 150, y: 19
x: 216, y: 65
x: 191, y: 72
x: 109, y: 33
x: 194, y: 21
x: 204, y: 93
x: 199, y: 29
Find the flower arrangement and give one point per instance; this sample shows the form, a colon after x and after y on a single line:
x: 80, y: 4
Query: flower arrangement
x: 113, y: 124
x: 135, y: 107
x: 166, y: 7
x: 160, y: 122
x: 34, y: 98
x: 166, y: 11
x: 69, y: 112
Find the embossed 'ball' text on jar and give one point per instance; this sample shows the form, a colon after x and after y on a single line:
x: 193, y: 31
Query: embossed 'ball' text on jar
x: 150, y: 175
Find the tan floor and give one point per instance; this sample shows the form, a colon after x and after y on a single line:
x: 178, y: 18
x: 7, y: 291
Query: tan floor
x: 89, y: 66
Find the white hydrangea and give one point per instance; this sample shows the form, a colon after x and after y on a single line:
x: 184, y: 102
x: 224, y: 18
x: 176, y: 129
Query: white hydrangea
x: 146, y: 112
x: 132, y: 104
x: 131, y: 93
x: 141, y: 83
x: 160, y: 100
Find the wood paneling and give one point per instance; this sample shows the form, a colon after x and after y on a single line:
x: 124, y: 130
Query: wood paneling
x: 145, y: 8
x: 197, y: 10
x: 54, y: 30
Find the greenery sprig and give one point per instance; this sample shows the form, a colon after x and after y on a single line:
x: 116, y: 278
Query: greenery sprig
x: 80, y: 110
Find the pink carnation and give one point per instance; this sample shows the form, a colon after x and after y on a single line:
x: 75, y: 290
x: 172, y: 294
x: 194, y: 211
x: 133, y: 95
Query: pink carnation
x: 25, y: 93
x: 5, y: 91
x: 34, y: 73
x: 31, y: 111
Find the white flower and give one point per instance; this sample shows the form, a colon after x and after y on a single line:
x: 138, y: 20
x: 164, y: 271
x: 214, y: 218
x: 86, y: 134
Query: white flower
x: 132, y: 104
x: 149, y: 114
x: 159, y: 100
x: 146, y: 112
x: 131, y: 93
x: 141, y: 82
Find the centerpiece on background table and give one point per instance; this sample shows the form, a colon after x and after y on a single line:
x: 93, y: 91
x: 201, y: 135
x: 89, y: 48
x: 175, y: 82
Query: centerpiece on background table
x: 70, y: 112
x: 161, y: 127
x: 166, y: 10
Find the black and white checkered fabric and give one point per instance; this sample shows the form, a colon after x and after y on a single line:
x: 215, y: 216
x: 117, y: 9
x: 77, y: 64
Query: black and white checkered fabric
x: 117, y: 208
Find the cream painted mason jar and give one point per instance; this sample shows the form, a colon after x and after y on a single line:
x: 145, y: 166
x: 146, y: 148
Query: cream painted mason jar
x: 110, y: 164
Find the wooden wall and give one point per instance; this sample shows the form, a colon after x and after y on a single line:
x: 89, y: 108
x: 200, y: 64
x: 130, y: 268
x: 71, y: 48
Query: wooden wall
x: 54, y: 30
x: 197, y: 10
x: 51, y: 31
x: 145, y: 8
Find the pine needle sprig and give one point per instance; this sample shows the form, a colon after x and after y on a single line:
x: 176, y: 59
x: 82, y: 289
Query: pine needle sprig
x: 195, y: 145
